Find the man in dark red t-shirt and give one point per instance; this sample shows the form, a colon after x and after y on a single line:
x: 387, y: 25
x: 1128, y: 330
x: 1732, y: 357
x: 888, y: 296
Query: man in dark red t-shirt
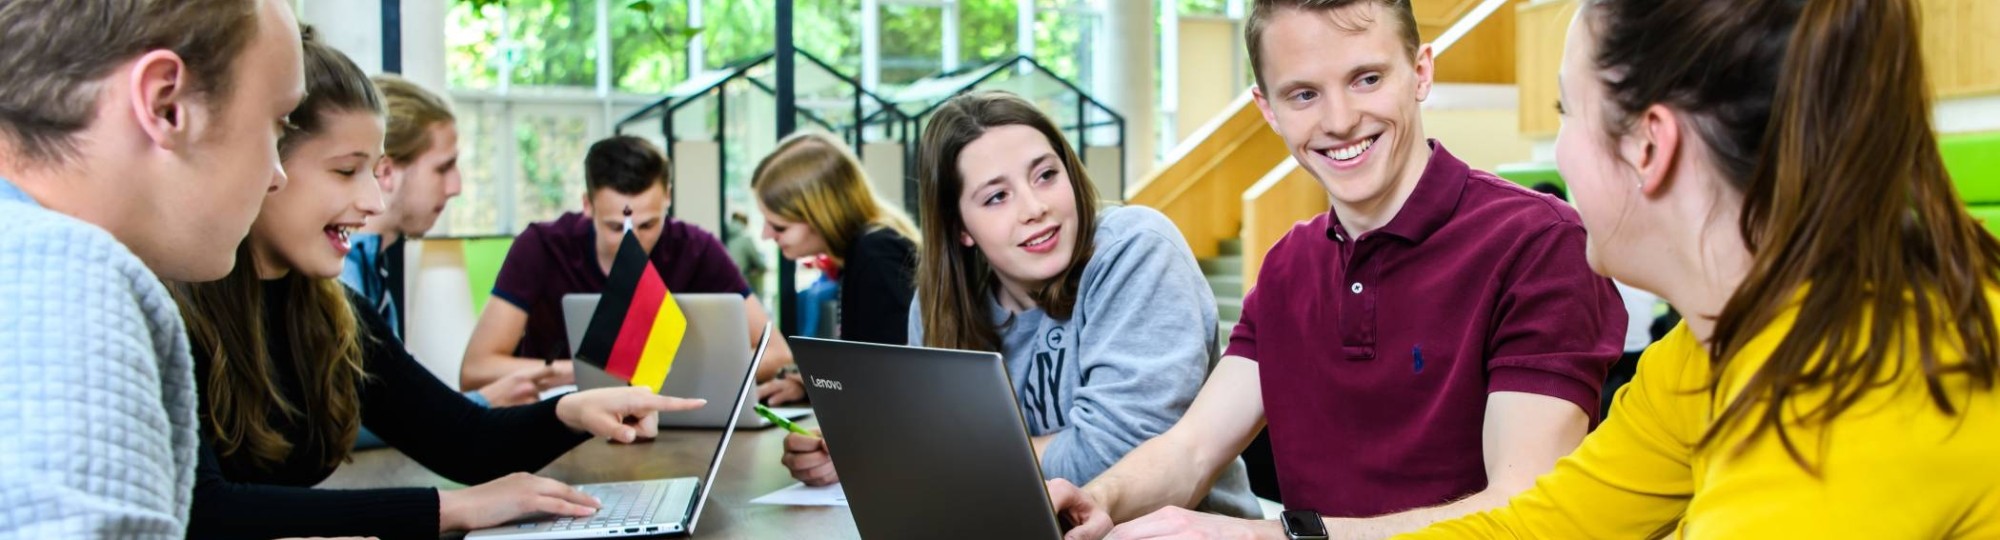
x: 523, y: 326
x: 1421, y: 351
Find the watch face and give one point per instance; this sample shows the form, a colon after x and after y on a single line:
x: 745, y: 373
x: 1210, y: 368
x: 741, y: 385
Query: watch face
x: 1304, y: 524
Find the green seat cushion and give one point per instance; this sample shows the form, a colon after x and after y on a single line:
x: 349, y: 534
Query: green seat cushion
x: 1974, y: 163
x: 483, y: 257
x: 1529, y: 174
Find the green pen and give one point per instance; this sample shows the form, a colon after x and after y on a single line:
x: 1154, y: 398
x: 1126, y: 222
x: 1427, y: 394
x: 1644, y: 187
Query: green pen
x: 782, y: 422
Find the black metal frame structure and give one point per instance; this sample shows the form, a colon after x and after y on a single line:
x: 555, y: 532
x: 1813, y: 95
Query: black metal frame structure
x: 1084, y: 105
x: 886, y: 115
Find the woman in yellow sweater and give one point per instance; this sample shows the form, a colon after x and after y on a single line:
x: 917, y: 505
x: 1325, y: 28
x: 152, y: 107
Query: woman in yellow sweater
x: 1769, y: 167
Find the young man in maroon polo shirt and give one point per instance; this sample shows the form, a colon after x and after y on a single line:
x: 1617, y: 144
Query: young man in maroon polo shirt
x: 1421, y: 351
x: 523, y: 326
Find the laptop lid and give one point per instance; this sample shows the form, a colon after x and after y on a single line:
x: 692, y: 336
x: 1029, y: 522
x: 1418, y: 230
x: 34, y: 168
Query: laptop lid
x: 690, y: 500
x: 929, y: 441
x: 743, y: 387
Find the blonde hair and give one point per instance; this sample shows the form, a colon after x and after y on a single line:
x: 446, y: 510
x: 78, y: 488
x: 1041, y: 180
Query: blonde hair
x: 412, y: 112
x: 812, y: 178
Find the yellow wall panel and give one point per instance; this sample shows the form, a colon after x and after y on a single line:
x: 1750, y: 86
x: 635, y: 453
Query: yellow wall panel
x: 1961, y: 38
x: 1485, y: 55
x: 1540, y: 29
x: 1440, y: 12
x: 1210, y: 59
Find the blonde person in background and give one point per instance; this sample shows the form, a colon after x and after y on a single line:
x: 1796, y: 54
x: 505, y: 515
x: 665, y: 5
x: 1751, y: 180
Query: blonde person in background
x: 418, y: 175
x: 1769, y: 168
x: 816, y: 201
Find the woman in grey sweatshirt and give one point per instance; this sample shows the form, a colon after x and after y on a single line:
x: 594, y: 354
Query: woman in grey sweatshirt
x: 1102, y: 315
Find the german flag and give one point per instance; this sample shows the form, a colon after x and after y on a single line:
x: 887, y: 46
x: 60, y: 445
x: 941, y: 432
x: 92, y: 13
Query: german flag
x: 638, y: 327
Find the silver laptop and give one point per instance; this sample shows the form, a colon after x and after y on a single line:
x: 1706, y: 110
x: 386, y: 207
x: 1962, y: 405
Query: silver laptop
x: 704, y: 368
x: 903, y: 422
x: 647, y: 507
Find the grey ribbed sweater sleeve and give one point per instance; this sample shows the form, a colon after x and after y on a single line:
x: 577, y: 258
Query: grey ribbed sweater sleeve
x: 1146, y: 334
x: 97, y: 432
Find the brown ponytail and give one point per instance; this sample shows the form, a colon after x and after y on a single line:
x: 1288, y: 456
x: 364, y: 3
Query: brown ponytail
x: 1820, y: 113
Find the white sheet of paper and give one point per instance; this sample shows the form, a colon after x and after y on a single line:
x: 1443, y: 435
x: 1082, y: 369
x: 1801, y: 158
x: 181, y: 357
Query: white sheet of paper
x: 800, y: 495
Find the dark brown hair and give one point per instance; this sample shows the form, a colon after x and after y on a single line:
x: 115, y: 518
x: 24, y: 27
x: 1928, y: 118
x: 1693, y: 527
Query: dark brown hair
x: 227, y: 317
x: 333, y: 85
x: 625, y: 164
x: 955, y: 282
x: 412, y: 112
x: 1820, y: 114
x: 56, y: 51
x: 1262, y: 11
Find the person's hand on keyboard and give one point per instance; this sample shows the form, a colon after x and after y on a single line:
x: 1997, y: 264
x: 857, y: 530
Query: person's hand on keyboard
x: 510, y: 498
x: 1081, y: 516
x: 621, y: 414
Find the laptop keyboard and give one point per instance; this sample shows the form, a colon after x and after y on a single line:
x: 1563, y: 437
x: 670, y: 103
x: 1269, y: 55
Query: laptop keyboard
x: 624, y: 505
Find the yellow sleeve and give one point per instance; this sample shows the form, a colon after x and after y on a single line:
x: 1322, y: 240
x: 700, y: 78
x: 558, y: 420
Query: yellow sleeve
x: 1630, y: 478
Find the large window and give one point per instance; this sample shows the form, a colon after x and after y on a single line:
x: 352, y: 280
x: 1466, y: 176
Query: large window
x: 536, y: 81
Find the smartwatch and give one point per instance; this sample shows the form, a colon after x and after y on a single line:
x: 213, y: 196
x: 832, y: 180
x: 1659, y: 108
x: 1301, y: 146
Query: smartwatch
x: 1303, y: 525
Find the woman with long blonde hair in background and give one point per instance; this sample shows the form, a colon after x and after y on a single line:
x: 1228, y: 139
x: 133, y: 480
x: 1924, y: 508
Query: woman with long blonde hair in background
x: 816, y: 201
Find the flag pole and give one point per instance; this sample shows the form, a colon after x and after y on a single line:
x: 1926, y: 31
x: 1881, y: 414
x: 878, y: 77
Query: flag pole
x: 788, y: 292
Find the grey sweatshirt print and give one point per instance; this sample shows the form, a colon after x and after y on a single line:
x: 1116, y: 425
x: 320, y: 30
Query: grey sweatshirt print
x: 1128, y: 362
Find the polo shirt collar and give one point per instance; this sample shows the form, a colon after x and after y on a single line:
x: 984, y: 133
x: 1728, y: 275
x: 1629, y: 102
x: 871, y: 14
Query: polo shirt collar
x: 1431, y: 204
x: 364, y: 242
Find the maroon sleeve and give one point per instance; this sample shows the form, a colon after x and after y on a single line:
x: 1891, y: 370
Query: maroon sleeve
x: 1558, y: 326
x: 524, y: 270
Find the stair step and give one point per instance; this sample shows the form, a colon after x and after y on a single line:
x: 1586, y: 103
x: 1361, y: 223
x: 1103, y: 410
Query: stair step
x: 1227, y: 265
x: 1228, y: 309
x: 1230, y: 286
x: 1230, y: 246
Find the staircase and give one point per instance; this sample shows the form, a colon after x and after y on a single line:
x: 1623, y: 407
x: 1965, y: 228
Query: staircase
x: 1225, y: 278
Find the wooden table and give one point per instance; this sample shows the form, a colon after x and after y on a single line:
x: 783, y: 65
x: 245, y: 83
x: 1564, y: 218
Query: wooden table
x: 750, y: 469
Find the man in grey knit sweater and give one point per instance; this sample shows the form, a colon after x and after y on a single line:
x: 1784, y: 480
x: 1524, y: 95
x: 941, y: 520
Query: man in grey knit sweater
x: 132, y: 150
